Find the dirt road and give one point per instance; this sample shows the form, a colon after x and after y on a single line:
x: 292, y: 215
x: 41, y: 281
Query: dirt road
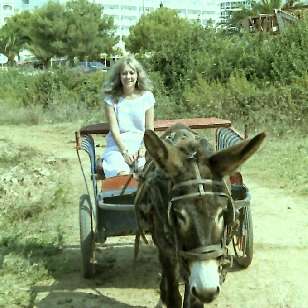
x: 278, y: 276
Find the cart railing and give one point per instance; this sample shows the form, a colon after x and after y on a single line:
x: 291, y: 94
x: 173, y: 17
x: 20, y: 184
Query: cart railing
x: 161, y: 125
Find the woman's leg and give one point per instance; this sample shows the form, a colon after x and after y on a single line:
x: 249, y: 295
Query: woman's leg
x: 123, y: 173
x: 114, y: 164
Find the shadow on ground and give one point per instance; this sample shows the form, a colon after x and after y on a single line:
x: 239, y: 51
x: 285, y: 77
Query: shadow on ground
x: 81, y: 300
x: 116, y: 269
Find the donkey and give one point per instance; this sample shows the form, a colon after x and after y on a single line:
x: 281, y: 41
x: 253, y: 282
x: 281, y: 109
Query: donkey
x: 184, y: 202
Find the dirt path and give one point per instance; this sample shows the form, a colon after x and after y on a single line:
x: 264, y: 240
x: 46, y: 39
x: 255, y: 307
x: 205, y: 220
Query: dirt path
x: 278, y: 276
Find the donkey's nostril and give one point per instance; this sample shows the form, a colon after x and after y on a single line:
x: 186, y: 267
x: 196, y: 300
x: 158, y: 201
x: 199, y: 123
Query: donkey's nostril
x: 193, y: 291
x: 205, y: 295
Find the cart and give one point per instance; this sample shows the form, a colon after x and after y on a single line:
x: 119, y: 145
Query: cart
x: 107, y: 209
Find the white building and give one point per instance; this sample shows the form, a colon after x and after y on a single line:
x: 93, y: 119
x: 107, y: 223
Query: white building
x: 127, y: 13
x: 11, y: 7
x: 229, y: 6
x: 7, y: 9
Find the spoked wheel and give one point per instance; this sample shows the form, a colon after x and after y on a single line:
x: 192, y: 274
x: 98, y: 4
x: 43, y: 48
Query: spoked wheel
x: 87, y: 243
x: 243, y: 239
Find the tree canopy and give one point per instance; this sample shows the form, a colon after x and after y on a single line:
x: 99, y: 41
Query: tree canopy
x: 87, y: 33
x: 14, y: 35
x: 77, y: 29
x: 171, y: 41
x: 47, y: 31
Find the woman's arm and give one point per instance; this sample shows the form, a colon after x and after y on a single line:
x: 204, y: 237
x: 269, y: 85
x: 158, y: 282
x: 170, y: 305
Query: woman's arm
x: 114, y: 127
x: 149, y: 118
x: 115, y: 131
x: 149, y: 124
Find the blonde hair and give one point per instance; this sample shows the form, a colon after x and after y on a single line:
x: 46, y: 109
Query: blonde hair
x: 113, y: 85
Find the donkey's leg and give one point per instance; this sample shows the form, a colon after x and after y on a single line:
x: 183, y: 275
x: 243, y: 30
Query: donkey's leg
x: 169, y: 286
x: 163, y: 292
x: 186, y: 301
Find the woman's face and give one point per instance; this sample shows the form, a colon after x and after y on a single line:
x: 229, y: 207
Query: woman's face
x: 129, y: 77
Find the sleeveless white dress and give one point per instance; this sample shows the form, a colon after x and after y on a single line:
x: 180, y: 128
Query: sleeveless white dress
x: 130, y: 114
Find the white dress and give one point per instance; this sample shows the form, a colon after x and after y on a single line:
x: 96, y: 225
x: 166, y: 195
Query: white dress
x: 130, y: 114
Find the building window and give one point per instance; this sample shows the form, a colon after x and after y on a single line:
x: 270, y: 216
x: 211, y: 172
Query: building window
x: 7, y: 7
x: 193, y: 12
x: 129, y: 8
x: 129, y: 18
x: 110, y: 6
x: 208, y: 12
x: 149, y: 9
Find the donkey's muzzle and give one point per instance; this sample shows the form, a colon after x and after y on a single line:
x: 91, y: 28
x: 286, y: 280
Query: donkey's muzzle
x: 204, y: 280
x: 205, y: 295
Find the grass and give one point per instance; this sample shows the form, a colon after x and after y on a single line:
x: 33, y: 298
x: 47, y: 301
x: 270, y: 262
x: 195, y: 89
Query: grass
x: 34, y: 115
x: 35, y: 195
x: 282, y: 162
x: 32, y: 193
x: 10, y: 155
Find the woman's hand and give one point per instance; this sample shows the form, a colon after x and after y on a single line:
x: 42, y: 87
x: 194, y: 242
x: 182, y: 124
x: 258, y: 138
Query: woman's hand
x: 129, y: 158
x: 141, y: 152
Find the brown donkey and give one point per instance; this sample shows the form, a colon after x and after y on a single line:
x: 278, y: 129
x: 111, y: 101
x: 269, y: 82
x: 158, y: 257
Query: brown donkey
x: 185, y: 204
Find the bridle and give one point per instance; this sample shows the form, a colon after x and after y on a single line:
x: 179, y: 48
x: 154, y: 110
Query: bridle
x: 170, y: 241
x: 206, y: 252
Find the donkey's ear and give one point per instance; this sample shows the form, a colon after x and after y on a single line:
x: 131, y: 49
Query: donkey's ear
x: 228, y: 160
x: 165, y: 155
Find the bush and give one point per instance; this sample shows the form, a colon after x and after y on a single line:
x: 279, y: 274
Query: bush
x: 290, y: 49
x: 12, y: 82
x: 63, y: 87
x: 240, y: 100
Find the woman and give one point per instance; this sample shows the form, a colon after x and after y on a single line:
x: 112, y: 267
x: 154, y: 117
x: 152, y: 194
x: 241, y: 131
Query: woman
x: 129, y: 108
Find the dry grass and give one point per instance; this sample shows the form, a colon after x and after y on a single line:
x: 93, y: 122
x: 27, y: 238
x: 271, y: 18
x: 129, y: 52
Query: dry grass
x: 282, y: 162
x: 31, y: 190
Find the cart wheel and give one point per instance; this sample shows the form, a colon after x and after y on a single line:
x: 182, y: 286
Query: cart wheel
x: 243, y: 239
x: 87, y: 243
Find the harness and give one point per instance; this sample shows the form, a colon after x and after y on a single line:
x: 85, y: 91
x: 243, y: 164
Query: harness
x: 206, y: 252
x: 171, y: 242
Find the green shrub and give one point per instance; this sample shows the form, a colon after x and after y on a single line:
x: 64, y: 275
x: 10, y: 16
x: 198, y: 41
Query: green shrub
x: 63, y: 87
x: 240, y: 100
x: 291, y: 56
x: 12, y: 82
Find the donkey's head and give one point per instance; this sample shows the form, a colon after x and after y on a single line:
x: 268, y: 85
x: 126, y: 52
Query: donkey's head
x: 199, y: 203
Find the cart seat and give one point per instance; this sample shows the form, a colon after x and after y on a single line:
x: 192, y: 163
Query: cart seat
x: 117, y: 183
x: 119, y: 189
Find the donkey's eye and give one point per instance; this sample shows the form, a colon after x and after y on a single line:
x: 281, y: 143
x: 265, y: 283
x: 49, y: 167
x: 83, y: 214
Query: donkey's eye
x: 182, y: 218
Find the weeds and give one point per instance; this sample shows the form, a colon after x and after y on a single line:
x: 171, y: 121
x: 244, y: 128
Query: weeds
x: 31, y: 189
x: 282, y: 162
x: 10, y: 155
